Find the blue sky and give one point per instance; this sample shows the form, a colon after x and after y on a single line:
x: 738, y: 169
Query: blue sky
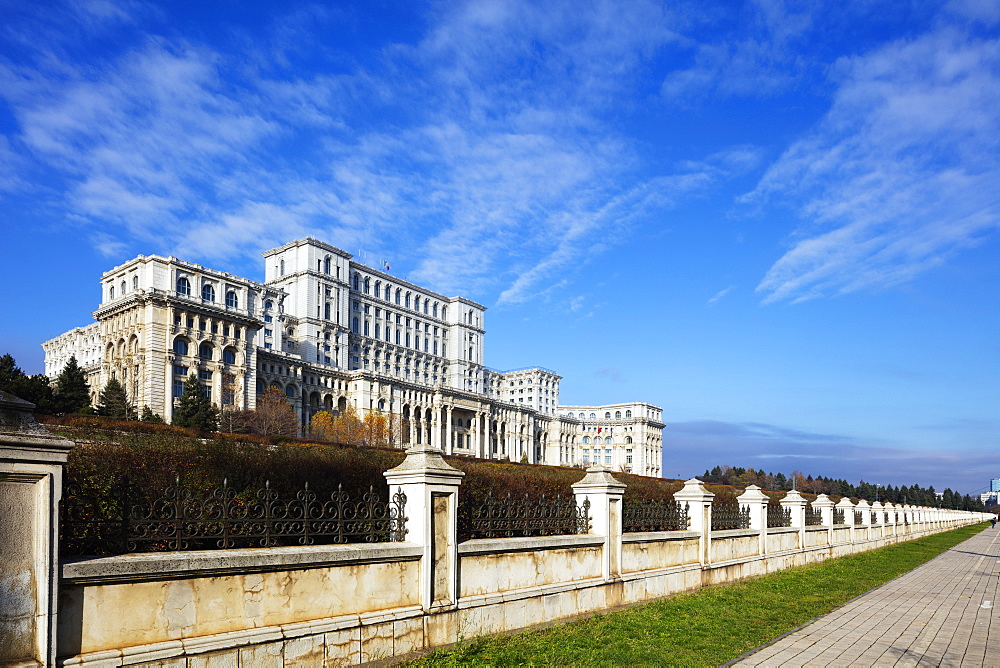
x: 777, y: 221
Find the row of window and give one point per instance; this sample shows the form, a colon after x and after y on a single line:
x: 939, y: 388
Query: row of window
x: 207, y: 292
x: 124, y: 288
x: 206, y: 351
x: 607, y: 415
x: 401, y: 298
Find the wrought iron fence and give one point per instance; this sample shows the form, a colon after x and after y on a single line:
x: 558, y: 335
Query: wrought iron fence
x: 124, y: 519
x: 730, y: 516
x: 506, y: 517
x: 814, y: 516
x: 858, y: 518
x: 887, y: 517
x: 655, y: 516
x: 874, y: 517
x: 838, y: 516
x: 777, y: 516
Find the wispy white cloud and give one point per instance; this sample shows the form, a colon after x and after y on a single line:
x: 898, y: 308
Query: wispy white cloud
x: 720, y: 294
x: 900, y: 175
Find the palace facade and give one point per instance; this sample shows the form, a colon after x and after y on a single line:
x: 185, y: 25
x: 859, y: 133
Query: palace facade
x: 331, y: 332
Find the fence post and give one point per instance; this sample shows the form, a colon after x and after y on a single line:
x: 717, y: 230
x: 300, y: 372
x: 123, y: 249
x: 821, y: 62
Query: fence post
x: 605, y: 496
x: 866, y: 517
x: 431, y: 488
x: 699, y: 503
x: 757, y: 502
x: 796, y: 503
x: 878, y: 510
x: 825, y: 506
x: 848, y: 508
x: 31, y: 461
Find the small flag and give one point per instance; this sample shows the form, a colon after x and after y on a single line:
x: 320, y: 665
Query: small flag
x: 599, y: 429
x: 385, y: 264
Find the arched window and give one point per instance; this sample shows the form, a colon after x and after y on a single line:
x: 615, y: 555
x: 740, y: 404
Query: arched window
x: 124, y: 288
x: 618, y: 415
x: 367, y: 286
x: 111, y: 293
x: 356, y: 282
x: 444, y: 312
x: 135, y: 282
x: 607, y: 441
x: 181, y: 347
x: 281, y: 268
x: 378, y: 289
x: 326, y: 265
x: 628, y: 440
x: 229, y: 356
x: 208, y: 293
x: 593, y: 416
x: 570, y: 415
x: 399, y: 294
x: 407, y: 300
x: 205, y: 351
x: 268, y: 305
x: 183, y: 286
x: 628, y: 414
x: 232, y: 301
x: 290, y: 391
x: 586, y: 440
x: 435, y: 309
x: 607, y: 416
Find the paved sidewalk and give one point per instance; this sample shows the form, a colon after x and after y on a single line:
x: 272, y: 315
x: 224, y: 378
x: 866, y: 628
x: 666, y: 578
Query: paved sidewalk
x: 943, y: 613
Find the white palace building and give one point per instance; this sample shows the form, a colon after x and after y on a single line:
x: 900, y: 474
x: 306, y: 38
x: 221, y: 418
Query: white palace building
x: 330, y: 332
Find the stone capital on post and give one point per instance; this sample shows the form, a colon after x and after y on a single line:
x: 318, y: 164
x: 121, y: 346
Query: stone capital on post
x: 431, y: 488
x: 878, y: 508
x: 865, y: 509
x: 797, y: 504
x: 756, y: 500
x: 698, y: 500
x: 31, y: 462
x: 825, y: 506
x: 605, y: 496
x: 847, y: 507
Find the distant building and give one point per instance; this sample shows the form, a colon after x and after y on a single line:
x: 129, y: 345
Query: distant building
x: 330, y: 332
x: 995, y: 485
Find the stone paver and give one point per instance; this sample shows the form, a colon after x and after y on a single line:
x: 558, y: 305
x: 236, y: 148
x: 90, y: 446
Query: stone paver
x: 939, y: 614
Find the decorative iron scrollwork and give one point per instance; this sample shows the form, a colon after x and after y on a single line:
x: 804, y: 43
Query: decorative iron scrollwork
x: 838, y: 516
x: 777, y: 516
x: 814, y: 516
x: 655, y: 516
x: 505, y: 517
x: 122, y: 519
x: 730, y: 516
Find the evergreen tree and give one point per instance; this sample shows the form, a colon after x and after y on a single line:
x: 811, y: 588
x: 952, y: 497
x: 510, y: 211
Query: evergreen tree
x: 72, y: 394
x: 194, y: 410
x: 114, y: 402
x: 35, y: 389
x: 149, y: 416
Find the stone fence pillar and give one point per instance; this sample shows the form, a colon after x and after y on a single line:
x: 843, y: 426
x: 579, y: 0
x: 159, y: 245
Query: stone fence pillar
x: 848, y: 508
x: 756, y: 501
x: 431, y: 488
x: 825, y: 506
x: 699, y: 505
x: 865, y: 509
x: 605, y: 496
x: 31, y: 461
x: 796, y: 503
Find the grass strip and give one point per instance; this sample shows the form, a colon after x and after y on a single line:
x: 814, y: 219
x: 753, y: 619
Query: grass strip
x: 707, y: 627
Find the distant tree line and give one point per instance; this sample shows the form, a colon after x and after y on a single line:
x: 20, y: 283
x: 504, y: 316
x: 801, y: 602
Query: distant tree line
x: 915, y: 494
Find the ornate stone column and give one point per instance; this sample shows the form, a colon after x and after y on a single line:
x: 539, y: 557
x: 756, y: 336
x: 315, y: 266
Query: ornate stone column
x: 699, y: 506
x: 754, y: 499
x: 431, y: 488
x: 31, y: 462
x: 605, y: 496
x: 449, y: 437
x: 794, y: 502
